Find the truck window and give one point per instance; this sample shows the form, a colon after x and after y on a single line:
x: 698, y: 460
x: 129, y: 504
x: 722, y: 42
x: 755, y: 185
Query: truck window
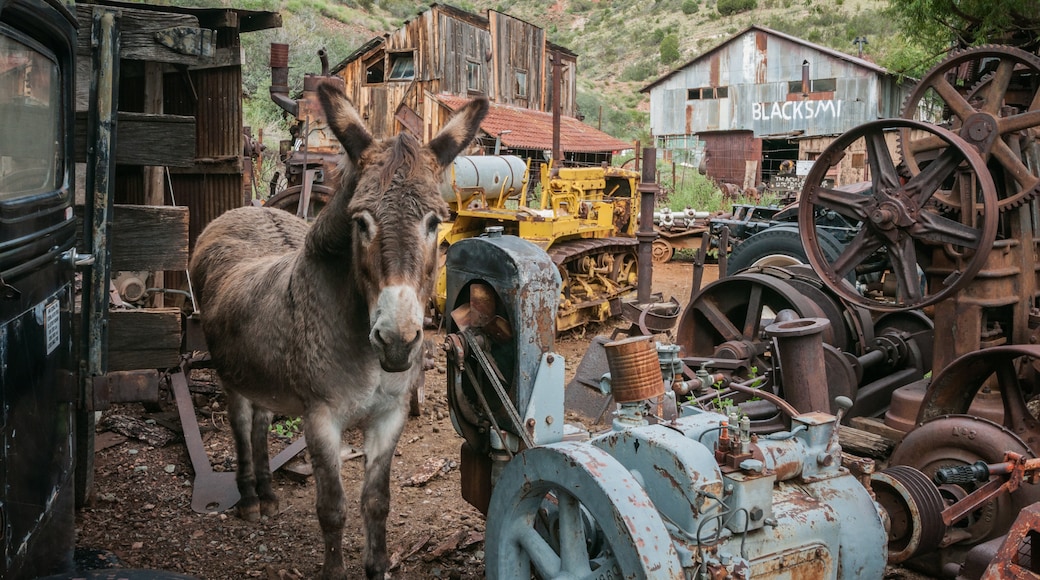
x: 30, y: 113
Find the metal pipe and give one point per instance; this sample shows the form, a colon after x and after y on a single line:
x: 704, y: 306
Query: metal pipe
x: 646, y: 235
x: 800, y: 350
x: 557, y: 153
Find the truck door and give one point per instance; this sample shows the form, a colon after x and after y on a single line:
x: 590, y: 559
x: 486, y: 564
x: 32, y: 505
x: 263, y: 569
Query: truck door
x: 38, y: 391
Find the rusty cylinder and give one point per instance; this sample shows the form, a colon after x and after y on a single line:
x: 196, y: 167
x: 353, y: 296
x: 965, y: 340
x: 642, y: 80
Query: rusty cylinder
x: 799, y: 345
x: 635, y: 371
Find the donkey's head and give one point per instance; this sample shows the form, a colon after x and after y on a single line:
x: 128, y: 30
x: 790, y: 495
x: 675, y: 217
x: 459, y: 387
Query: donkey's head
x: 385, y: 216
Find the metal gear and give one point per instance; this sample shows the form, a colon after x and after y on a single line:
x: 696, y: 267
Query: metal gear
x: 989, y: 96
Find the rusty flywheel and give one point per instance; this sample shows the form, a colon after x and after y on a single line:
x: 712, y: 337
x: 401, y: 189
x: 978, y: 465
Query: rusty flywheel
x: 990, y: 96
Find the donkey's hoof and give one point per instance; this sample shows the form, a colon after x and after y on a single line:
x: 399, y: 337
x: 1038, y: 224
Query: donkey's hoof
x: 269, y: 507
x: 249, y: 511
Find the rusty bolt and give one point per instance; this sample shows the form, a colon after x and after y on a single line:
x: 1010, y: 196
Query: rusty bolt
x: 550, y: 359
x: 530, y: 423
x: 548, y: 420
x: 825, y: 459
x: 756, y: 514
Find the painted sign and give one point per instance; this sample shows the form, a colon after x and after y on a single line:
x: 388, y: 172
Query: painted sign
x: 795, y: 110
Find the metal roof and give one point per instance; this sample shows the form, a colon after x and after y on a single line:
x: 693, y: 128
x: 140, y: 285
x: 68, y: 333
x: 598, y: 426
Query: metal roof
x: 522, y: 128
x: 754, y: 27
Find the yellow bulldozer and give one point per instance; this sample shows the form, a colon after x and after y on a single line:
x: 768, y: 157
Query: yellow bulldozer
x: 583, y: 217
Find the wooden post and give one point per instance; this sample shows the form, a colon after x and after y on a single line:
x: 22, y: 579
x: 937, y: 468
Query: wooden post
x: 154, y: 176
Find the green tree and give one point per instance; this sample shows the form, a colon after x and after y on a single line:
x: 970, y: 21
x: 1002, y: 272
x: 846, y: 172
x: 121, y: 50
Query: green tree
x: 669, y: 49
x: 937, y: 23
x: 690, y: 7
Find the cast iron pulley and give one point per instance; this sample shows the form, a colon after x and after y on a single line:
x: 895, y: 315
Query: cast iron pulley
x: 946, y: 435
x: 898, y: 223
x: 990, y: 96
x: 571, y: 510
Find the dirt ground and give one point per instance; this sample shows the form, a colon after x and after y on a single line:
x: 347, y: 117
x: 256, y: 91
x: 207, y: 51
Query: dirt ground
x: 141, y: 515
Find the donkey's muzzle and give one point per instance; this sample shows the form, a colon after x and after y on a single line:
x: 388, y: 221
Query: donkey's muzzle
x: 396, y: 354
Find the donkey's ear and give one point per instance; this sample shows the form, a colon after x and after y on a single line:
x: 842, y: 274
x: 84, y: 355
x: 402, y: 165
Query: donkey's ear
x: 458, y: 133
x: 344, y: 120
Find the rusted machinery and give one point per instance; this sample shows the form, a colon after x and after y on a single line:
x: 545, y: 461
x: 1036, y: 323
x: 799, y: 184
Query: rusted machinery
x: 691, y: 495
x: 946, y: 213
x: 948, y: 229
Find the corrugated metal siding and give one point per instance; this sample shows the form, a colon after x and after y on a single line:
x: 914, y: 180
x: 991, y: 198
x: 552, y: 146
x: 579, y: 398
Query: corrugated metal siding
x: 219, y: 119
x: 757, y: 69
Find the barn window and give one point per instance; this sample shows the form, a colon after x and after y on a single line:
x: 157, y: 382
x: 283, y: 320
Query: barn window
x: 472, y: 75
x: 374, y: 68
x: 815, y: 86
x: 402, y: 66
x: 521, y: 84
x: 824, y: 85
x: 707, y: 93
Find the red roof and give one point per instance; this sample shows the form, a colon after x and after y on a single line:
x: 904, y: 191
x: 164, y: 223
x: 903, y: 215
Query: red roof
x: 530, y: 129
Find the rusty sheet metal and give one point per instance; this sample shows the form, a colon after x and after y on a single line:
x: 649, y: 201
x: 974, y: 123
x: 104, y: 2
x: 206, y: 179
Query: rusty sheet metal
x: 1015, y: 559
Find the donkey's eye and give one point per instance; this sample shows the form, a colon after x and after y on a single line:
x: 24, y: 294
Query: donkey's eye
x: 362, y: 225
x: 366, y: 227
x: 432, y: 224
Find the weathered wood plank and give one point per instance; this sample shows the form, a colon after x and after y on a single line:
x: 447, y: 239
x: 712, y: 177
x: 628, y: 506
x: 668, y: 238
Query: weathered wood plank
x: 878, y: 427
x: 146, y: 338
x: 146, y: 237
x: 143, y: 139
x: 137, y: 31
x: 864, y: 443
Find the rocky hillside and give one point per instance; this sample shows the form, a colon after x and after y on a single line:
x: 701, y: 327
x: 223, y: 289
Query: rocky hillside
x: 622, y: 45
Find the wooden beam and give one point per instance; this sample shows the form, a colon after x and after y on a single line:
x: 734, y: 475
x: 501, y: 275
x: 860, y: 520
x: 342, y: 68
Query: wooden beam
x: 167, y: 140
x: 139, y: 30
x: 148, y: 237
x: 145, y: 338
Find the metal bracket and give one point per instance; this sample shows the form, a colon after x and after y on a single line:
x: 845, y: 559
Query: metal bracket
x: 188, y: 40
x: 8, y: 292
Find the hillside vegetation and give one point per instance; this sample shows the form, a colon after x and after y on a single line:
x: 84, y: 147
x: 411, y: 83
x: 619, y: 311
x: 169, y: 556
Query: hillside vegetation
x: 622, y: 45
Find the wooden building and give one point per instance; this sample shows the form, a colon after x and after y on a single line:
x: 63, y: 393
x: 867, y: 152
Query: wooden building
x: 178, y: 155
x: 762, y: 98
x: 414, y: 77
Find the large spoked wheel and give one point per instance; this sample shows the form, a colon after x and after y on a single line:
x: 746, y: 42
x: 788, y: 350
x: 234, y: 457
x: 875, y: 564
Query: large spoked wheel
x: 289, y: 199
x: 572, y: 511
x: 898, y: 221
x: 990, y: 96
x: 727, y: 317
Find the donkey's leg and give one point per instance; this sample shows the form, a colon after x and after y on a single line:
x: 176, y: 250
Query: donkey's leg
x: 324, y: 439
x: 381, y: 435
x: 262, y: 461
x: 240, y: 411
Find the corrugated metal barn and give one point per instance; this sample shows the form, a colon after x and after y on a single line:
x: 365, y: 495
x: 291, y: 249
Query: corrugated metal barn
x: 763, y: 98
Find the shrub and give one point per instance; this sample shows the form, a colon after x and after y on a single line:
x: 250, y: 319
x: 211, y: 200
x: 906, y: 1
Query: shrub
x: 690, y: 7
x: 670, y: 49
x: 730, y: 7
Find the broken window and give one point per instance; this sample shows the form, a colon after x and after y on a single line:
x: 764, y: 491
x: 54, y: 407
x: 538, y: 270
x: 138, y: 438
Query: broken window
x: 521, y: 84
x: 472, y: 75
x: 402, y: 66
x: 374, y: 68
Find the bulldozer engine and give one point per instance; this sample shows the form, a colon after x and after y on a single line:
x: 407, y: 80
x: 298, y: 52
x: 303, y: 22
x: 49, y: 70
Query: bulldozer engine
x: 583, y: 217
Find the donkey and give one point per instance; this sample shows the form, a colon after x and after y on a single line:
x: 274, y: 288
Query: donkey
x: 325, y: 321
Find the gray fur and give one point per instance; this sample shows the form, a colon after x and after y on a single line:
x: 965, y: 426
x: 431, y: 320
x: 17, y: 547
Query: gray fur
x: 299, y: 320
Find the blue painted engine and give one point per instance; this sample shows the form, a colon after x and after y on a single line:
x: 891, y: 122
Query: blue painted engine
x: 671, y: 491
